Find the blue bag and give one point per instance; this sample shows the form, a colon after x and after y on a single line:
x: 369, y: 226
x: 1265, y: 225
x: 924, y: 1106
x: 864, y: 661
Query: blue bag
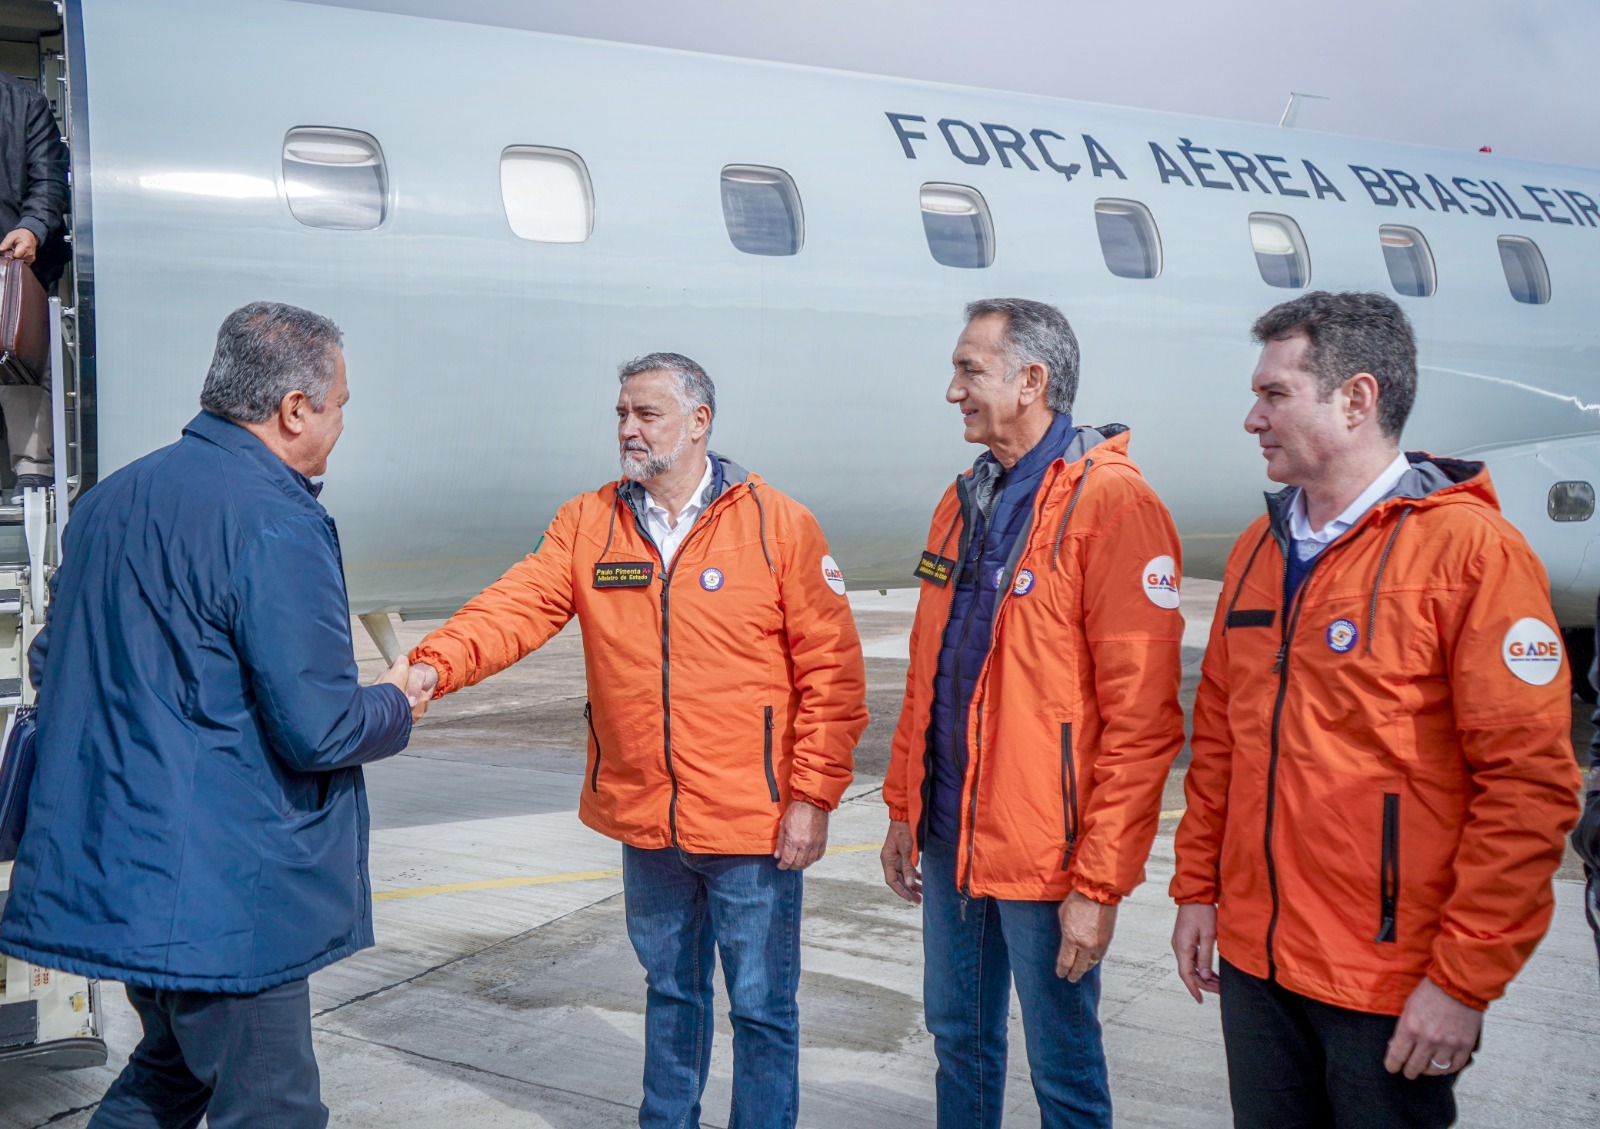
x: 16, y: 778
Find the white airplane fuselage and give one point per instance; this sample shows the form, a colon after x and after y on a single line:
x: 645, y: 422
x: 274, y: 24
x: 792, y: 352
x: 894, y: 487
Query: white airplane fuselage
x: 482, y: 364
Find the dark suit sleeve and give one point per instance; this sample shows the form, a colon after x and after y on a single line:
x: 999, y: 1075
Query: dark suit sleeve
x: 291, y: 627
x: 44, y: 201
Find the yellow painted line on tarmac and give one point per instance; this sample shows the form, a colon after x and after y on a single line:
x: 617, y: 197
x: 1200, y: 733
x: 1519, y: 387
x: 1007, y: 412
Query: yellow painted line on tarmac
x: 496, y: 884
x: 1176, y: 813
x: 584, y: 875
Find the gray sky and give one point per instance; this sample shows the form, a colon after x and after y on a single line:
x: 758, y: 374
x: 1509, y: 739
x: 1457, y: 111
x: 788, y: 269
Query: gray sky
x: 1518, y: 75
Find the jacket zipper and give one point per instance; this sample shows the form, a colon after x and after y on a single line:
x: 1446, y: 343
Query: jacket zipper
x: 1281, y: 668
x: 594, y: 774
x: 766, y: 756
x: 1069, y: 793
x: 1019, y: 551
x: 667, y: 573
x: 927, y: 744
x: 1389, y: 869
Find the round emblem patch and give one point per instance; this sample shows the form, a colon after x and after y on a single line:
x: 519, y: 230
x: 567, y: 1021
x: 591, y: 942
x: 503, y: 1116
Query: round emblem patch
x: 1161, y: 582
x: 1024, y: 583
x: 832, y: 575
x: 999, y: 575
x: 711, y: 579
x: 1342, y: 635
x: 1532, y: 651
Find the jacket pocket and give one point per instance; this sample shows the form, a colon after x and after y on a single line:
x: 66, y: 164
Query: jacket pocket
x: 1389, y: 870
x: 766, y: 755
x: 1069, y: 794
x: 594, y: 739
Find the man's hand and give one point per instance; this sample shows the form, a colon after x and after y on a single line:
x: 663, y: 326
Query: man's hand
x: 898, y: 870
x: 802, y: 836
x: 397, y: 676
x: 23, y: 245
x: 1436, y: 1033
x: 1086, y: 928
x: 1194, y: 943
x: 419, y: 687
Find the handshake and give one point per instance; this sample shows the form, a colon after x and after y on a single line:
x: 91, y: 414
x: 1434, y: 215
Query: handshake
x: 416, y: 682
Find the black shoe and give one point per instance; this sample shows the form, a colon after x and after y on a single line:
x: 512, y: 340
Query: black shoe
x: 27, y: 481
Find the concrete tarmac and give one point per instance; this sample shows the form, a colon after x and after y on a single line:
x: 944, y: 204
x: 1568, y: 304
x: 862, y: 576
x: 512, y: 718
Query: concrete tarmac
x: 503, y: 991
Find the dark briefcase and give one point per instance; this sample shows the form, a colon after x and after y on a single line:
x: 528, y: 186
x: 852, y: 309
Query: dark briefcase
x: 16, y: 779
x: 24, y: 325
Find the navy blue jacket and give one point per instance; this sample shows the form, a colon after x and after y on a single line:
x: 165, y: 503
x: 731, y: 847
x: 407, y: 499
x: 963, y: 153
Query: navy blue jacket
x: 995, y: 505
x: 198, y: 820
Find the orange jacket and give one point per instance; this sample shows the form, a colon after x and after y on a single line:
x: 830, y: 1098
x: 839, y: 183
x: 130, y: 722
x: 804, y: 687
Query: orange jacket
x: 719, y: 688
x: 1075, y: 718
x: 1382, y: 770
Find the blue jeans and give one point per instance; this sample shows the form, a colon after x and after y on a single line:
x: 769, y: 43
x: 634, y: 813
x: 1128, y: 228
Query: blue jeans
x: 239, y: 1061
x: 678, y: 905
x: 972, y: 949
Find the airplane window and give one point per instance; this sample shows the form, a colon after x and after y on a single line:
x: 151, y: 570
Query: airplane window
x: 956, y: 221
x: 1280, y: 250
x: 335, y: 178
x: 1128, y: 238
x: 761, y: 207
x: 546, y: 194
x: 1526, y: 273
x: 1410, y: 262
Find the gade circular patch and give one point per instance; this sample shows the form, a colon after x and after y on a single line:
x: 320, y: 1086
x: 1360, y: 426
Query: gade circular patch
x: 711, y: 579
x: 1342, y: 635
x: 1532, y: 651
x: 832, y: 576
x: 1024, y: 583
x: 1160, y: 578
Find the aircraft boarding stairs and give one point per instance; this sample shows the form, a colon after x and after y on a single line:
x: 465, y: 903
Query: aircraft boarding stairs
x: 48, y: 1019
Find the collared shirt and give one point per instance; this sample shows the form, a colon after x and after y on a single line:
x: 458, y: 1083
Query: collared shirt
x: 666, y: 535
x: 1309, y: 542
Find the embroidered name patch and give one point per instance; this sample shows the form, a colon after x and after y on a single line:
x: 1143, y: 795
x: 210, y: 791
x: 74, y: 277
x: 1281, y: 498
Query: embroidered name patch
x: 1160, y: 579
x: 935, y: 569
x: 1532, y: 651
x: 624, y: 574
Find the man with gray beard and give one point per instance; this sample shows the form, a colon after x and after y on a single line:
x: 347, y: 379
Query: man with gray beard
x: 726, y: 695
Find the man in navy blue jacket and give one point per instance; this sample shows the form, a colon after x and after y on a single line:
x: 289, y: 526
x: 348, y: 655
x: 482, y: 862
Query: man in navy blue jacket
x: 198, y: 825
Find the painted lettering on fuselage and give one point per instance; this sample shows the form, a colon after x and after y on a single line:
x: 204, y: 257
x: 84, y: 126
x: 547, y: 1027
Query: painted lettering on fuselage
x: 1186, y: 163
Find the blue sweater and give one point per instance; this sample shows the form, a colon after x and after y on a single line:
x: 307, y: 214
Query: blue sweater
x: 996, y: 505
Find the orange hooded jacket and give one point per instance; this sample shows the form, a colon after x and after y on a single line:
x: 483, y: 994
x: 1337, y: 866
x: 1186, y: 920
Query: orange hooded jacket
x: 719, y: 687
x: 1383, y: 768
x: 1074, y: 718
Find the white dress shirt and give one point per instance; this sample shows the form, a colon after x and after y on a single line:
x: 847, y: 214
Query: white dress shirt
x: 666, y: 535
x: 1309, y: 542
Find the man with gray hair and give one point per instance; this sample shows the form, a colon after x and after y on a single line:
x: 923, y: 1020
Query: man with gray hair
x: 726, y: 694
x: 197, y: 825
x: 1040, y: 718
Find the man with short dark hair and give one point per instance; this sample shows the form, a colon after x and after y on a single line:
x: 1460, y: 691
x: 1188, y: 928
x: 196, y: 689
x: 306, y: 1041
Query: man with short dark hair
x: 198, y: 827
x: 1040, y: 718
x: 1382, y: 769
x: 33, y: 206
x: 726, y: 695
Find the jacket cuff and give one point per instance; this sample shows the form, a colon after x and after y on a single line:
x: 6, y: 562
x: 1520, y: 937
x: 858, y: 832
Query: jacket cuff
x: 1097, y: 892
x: 40, y: 231
x: 899, y: 813
x: 814, y: 801
x: 448, y: 684
x: 1442, y: 980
